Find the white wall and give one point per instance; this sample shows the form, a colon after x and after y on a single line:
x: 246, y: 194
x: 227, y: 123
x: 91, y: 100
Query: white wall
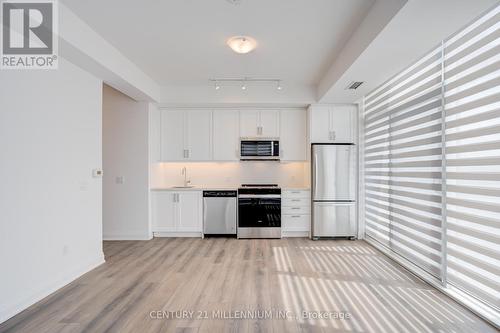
x: 231, y: 174
x: 125, y: 157
x: 50, y: 205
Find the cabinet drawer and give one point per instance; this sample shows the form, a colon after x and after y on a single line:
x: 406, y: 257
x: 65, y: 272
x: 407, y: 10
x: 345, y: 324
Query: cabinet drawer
x: 296, y: 194
x: 296, y: 202
x: 296, y: 222
x: 295, y: 210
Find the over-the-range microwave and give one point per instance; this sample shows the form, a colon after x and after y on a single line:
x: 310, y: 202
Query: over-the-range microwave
x: 259, y: 149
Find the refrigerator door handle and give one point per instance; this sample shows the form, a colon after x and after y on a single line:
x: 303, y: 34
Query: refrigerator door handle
x: 315, y: 174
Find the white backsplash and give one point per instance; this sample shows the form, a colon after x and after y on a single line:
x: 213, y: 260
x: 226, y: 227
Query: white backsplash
x: 231, y: 174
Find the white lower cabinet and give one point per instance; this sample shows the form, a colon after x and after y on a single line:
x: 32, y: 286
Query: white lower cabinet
x: 295, y: 213
x: 177, y: 213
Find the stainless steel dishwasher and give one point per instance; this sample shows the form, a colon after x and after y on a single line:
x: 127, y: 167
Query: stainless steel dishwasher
x: 219, y: 212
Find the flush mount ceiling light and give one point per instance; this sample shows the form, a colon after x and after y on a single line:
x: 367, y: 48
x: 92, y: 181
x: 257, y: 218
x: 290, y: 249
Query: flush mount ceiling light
x: 242, y: 44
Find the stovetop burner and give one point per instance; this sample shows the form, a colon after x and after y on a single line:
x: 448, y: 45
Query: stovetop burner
x: 259, y: 189
x: 259, y: 185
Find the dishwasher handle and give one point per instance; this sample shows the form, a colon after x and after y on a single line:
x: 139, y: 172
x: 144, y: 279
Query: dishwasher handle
x: 220, y: 194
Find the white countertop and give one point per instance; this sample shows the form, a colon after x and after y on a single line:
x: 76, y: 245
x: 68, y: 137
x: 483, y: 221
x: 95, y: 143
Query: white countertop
x: 194, y: 188
x: 217, y: 188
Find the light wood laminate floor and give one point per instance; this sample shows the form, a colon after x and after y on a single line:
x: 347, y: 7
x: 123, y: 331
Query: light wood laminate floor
x: 221, y: 278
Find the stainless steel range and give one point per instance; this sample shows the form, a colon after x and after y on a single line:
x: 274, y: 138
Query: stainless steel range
x: 259, y: 211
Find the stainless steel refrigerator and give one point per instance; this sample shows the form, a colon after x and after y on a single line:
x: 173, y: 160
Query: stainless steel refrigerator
x: 333, y: 190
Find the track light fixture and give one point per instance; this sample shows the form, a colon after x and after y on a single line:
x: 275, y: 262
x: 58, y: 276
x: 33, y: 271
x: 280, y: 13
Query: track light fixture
x: 244, y: 82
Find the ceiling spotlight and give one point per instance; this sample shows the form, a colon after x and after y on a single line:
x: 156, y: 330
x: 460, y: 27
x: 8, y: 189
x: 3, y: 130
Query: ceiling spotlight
x: 279, y: 87
x: 243, y: 86
x: 217, y: 87
x: 242, y: 44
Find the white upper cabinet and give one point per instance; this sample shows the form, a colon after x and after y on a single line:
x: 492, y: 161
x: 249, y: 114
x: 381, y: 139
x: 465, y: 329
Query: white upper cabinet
x: 343, y: 123
x: 214, y: 135
x: 249, y: 123
x: 186, y: 135
x: 198, y: 135
x: 172, y: 135
x: 332, y: 123
x: 293, y: 135
x: 264, y: 123
x: 226, y: 135
x: 269, y: 122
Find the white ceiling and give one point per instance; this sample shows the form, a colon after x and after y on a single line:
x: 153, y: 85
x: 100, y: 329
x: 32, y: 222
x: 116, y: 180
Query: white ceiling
x: 417, y: 28
x: 182, y: 42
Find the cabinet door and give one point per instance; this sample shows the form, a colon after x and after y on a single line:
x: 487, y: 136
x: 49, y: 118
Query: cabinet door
x: 198, y: 135
x: 164, y: 211
x: 226, y: 135
x: 249, y: 121
x: 269, y: 124
x: 320, y: 124
x: 172, y: 135
x: 293, y: 135
x: 342, y: 118
x: 190, y: 212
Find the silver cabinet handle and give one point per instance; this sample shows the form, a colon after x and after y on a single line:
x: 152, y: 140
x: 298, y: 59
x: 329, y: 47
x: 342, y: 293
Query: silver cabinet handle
x: 188, y: 152
x: 295, y: 200
x: 333, y: 135
x: 295, y: 208
x: 295, y: 216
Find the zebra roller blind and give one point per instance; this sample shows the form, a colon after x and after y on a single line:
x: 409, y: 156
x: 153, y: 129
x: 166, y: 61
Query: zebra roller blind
x: 403, y: 163
x: 472, y: 108
x: 432, y: 161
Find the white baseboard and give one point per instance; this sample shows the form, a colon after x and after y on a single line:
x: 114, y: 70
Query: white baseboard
x: 126, y: 237
x: 12, y: 310
x: 291, y: 233
x: 177, y: 234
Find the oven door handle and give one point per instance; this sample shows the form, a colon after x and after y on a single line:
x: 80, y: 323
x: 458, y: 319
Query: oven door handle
x: 259, y: 196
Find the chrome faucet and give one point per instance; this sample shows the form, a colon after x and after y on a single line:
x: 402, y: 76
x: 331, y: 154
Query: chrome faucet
x: 184, y: 173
